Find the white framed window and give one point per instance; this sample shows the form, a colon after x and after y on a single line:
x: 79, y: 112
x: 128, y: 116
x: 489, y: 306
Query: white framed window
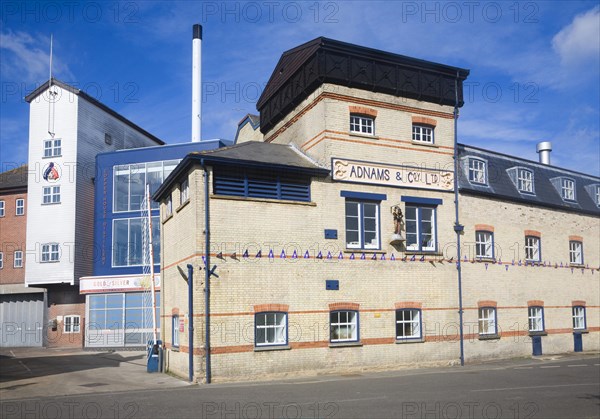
x: 2, y: 208
x: 487, y: 321
x: 532, y: 249
x: 18, y: 259
x: 362, y: 124
x: 343, y: 326
x: 175, y: 330
x: 567, y: 188
x: 477, y: 171
x: 484, y: 244
x: 525, y: 180
x: 20, y: 206
x: 1, y: 260
x: 127, y: 241
x: 597, y: 195
x: 420, y: 228
x: 422, y: 134
x: 576, y: 252
x: 536, y: 319
x: 184, y: 191
x: 579, y: 321
x: 53, y: 148
x: 50, y: 252
x: 362, y: 225
x: 270, y: 329
x: 71, y: 324
x: 169, y: 207
x: 51, y: 195
x: 408, y: 324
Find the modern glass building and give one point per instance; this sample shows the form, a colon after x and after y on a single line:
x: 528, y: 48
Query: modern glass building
x: 118, y: 309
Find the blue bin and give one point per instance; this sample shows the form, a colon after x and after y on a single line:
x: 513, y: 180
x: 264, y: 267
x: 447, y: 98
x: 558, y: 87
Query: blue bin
x: 154, y: 363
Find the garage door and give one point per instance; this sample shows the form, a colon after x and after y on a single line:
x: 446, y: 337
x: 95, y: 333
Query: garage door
x: 21, y: 319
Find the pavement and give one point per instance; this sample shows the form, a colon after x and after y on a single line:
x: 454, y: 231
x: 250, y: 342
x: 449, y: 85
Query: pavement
x: 44, y: 372
x: 71, y: 384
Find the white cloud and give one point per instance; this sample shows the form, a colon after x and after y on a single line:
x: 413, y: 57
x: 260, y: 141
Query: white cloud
x: 26, y: 58
x: 579, y: 42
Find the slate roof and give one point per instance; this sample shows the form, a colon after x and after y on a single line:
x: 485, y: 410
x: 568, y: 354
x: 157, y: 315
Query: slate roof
x: 252, y: 154
x: 500, y: 185
x: 14, y: 180
x: 42, y: 88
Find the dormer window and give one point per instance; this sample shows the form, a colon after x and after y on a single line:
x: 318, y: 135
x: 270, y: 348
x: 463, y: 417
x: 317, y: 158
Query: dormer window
x: 597, y: 195
x: 362, y: 124
x: 567, y: 189
x: 525, y: 180
x: 477, y: 171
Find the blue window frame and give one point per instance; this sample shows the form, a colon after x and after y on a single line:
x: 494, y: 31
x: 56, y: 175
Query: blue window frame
x: 421, y: 229
x: 264, y: 184
x: 484, y: 244
x: 362, y: 225
x: 488, y: 321
x: 343, y: 326
x: 579, y: 319
x: 270, y: 329
x: 536, y: 319
x: 408, y: 324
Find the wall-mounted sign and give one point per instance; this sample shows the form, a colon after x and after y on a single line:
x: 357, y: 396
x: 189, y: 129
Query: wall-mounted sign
x: 181, y: 325
x: 126, y: 283
x: 390, y: 175
x: 51, y: 172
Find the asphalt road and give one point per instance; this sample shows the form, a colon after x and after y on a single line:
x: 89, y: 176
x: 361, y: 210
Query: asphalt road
x: 568, y: 387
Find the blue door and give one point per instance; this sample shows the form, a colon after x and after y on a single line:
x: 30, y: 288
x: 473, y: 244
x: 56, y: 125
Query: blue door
x: 577, y: 337
x: 537, y: 345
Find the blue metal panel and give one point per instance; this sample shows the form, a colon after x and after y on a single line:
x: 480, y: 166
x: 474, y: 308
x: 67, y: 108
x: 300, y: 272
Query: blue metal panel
x: 331, y: 234
x: 421, y: 201
x: 332, y: 284
x: 363, y: 195
x: 536, y: 341
x: 578, y: 341
x: 257, y: 185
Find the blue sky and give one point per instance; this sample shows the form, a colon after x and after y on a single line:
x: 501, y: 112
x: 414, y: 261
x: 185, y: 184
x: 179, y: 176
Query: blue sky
x: 535, y: 66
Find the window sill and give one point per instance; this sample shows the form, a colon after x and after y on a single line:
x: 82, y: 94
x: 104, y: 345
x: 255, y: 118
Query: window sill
x: 543, y: 333
x: 182, y: 205
x: 175, y: 348
x: 369, y: 251
x: 486, y: 260
x: 272, y: 348
x: 344, y: 344
x: 410, y: 340
x: 425, y: 253
x: 271, y: 201
x: 167, y: 218
x: 51, y: 157
x: 581, y: 331
x: 361, y: 135
x: 494, y: 336
x: 576, y: 265
x: 50, y: 261
x: 425, y: 144
x: 51, y: 203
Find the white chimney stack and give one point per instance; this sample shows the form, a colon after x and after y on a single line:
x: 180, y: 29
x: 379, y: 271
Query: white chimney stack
x: 196, y: 83
x: 544, y: 148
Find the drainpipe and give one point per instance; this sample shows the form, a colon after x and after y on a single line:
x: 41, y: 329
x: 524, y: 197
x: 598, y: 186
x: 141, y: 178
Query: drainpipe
x: 458, y: 228
x: 207, y: 273
x: 191, y: 321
